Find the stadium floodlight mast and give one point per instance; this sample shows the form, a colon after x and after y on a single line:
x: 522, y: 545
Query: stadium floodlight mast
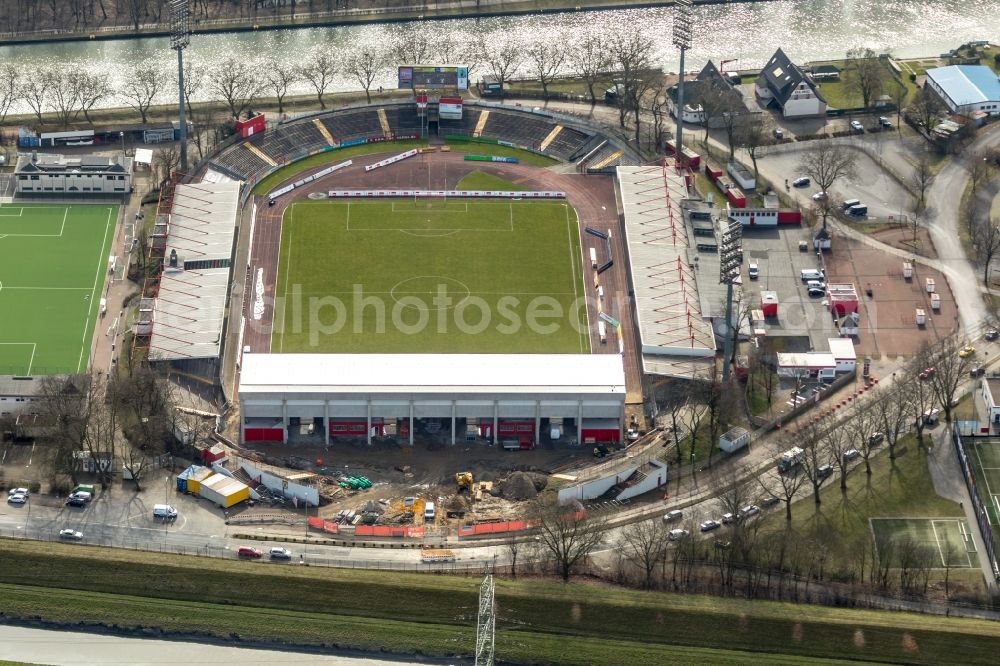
x: 730, y: 260
x: 180, y: 38
x: 486, y: 622
x: 683, y: 20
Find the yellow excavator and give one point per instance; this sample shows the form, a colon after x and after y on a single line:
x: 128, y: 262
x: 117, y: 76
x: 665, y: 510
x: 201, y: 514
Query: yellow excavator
x: 464, y: 481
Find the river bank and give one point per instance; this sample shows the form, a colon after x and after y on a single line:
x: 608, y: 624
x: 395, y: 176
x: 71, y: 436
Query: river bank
x: 461, y: 9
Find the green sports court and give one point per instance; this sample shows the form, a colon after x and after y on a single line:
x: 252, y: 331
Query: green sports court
x: 430, y: 276
x: 948, y: 537
x: 53, y: 263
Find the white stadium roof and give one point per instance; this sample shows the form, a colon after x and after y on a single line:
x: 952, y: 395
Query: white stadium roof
x: 667, y: 302
x: 203, y: 221
x: 596, y: 374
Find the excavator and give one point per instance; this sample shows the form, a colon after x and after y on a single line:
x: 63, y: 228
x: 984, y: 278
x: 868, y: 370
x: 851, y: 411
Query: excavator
x: 464, y: 481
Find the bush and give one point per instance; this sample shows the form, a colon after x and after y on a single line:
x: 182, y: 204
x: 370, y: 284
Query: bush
x: 996, y: 58
x: 913, y: 76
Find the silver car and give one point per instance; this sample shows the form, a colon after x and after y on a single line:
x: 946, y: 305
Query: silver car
x: 673, y: 516
x: 677, y: 535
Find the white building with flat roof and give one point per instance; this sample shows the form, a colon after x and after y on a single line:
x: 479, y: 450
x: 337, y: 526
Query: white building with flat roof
x: 40, y: 174
x: 360, y: 394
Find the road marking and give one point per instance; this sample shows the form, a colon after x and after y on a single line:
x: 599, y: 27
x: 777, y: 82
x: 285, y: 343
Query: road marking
x: 101, y: 262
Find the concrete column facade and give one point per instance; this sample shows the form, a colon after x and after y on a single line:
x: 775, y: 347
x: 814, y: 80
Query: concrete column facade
x: 411, y: 423
x: 326, y: 422
x: 368, y: 403
x: 621, y: 426
x: 538, y: 422
x: 579, y: 423
x: 454, y: 409
x: 496, y: 420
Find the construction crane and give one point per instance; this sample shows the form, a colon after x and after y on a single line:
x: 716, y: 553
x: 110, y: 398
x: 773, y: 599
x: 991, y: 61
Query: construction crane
x: 722, y: 65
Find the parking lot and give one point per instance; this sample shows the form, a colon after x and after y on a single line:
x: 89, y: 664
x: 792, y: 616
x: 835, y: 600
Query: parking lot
x: 803, y: 322
x: 883, y: 195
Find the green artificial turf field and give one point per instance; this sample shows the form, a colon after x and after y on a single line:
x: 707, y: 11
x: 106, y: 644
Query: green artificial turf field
x: 53, y: 262
x: 430, y: 276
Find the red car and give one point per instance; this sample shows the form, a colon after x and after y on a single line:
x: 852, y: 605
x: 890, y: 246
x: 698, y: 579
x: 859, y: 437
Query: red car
x: 926, y: 374
x: 249, y: 551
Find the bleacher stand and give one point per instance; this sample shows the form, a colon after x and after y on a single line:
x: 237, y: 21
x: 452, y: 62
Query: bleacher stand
x: 567, y: 143
x: 403, y: 120
x: 353, y: 124
x: 241, y: 161
x: 463, y: 127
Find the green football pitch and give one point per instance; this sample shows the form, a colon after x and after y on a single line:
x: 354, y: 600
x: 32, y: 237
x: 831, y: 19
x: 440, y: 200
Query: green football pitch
x: 430, y: 276
x: 53, y: 261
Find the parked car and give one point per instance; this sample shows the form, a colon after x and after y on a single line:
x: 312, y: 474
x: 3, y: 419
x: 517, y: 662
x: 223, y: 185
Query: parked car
x: 76, y: 501
x: 748, y: 511
x: 824, y: 472
x: 851, y: 454
x: 926, y: 374
x: 779, y: 133
x: 278, y: 553
x: 81, y: 495
x: 992, y: 334
x: 17, y: 498
x: 819, y: 196
x: 884, y: 122
x: 811, y: 274
x: 248, y: 551
x: 673, y: 516
x: 819, y: 284
x: 18, y: 491
x: 876, y: 439
x: 677, y: 535
x: 977, y: 371
x: 816, y: 292
x: 770, y: 500
x: 856, y: 126
x: 753, y: 270
x: 967, y: 350
x: 710, y: 525
x: 801, y: 181
x: 728, y: 518
x: 72, y: 535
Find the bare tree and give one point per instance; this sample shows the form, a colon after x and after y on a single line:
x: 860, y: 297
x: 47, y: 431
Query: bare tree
x: 280, y: 77
x: 951, y: 368
x: 784, y: 486
x: 546, y: 63
x: 512, y: 541
x: 319, y: 70
x: 979, y: 166
x: 10, y: 88
x: 145, y: 401
x: 645, y: 544
x: 754, y: 133
x: 64, y: 94
x: 412, y: 45
x: 837, y: 441
x: 141, y: 87
x: 165, y: 161
x: 591, y: 60
x: 865, y: 74
x: 102, y: 435
x: 923, y: 176
x: 860, y: 426
x: 926, y: 108
x: 64, y: 404
x: 673, y: 397
x: 501, y: 59
x: 566, y: 533
x: 811, y: 439
x: 35, y: 90
x: 364, y: 65
x: 911, y: 400
x: 236, y: 81
x: 986, y: 240
x: 826, y: 164
x: 92, y: 89
x: 630, y: 52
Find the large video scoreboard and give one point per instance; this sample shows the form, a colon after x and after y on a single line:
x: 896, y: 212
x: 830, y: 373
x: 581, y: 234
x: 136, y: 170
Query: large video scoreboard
x: 433, y: 77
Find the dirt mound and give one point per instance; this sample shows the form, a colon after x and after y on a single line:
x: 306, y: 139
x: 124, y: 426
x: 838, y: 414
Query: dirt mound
x: 519, y: 486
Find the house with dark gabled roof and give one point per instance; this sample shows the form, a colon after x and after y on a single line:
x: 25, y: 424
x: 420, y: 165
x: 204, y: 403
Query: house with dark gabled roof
x: 782, y: 85
x: 725, y: 98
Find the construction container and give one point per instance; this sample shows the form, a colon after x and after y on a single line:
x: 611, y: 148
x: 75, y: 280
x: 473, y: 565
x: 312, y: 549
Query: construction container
x: 907, y: 270
x: 936, y: 302
x: 196, y: 478
x: 921, y: 317
x: 734, y: 440
x: 224, y: 490
x: 593, y: 257
x: 929, y: 282
x: 769, y: 303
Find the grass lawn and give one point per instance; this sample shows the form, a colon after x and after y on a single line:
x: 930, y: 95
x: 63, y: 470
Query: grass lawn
x: 841, y: 522
x: 477, y: 180
x: 538, y: 621
x: 53, y: 263
x: 705, y: 187
x: 335, y: 156
x: 430, y: 276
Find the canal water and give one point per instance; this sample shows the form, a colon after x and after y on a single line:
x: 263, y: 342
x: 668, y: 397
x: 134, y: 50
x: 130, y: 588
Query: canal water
x: 748, y: 32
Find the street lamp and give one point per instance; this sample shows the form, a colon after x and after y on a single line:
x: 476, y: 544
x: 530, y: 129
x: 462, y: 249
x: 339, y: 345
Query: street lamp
x: 122, y: 136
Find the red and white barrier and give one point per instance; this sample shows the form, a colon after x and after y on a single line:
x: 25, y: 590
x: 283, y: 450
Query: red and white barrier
x: 392, y: 160
x: 443, y: 194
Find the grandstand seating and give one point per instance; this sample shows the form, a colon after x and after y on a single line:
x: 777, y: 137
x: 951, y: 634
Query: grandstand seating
x: 241, y: 161
x: 465, y: 126
x: 567, y: 143
x: 353, y: 125
x: 532, y: 131
x: 403, y: 120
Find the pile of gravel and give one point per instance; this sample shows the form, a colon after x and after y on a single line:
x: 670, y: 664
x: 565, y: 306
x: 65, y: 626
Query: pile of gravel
x: 519, y: 487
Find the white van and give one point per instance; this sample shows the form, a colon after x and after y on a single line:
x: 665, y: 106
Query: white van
x: 429, y: 512
x: 164, y: 511
x: 849, y: 203
x: 593, y: 257
x: 811, y: 274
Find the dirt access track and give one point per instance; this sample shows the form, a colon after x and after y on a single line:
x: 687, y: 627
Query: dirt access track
x: 592, y: 196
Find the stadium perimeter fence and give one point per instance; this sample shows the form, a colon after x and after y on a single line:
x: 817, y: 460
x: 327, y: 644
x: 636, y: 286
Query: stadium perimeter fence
x: 982, y: 518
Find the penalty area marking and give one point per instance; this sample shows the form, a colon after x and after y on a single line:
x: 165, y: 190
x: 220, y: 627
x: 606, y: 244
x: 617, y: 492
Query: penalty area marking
x: 31, y: 360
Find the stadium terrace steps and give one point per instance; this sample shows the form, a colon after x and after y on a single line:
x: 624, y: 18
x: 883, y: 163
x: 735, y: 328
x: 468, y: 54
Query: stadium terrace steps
x: 259, y: 153
x: 384, y: 122
x: 606, y: 161
x: 550, y: 138
x: 325, y: 132
x: 484, y: 115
